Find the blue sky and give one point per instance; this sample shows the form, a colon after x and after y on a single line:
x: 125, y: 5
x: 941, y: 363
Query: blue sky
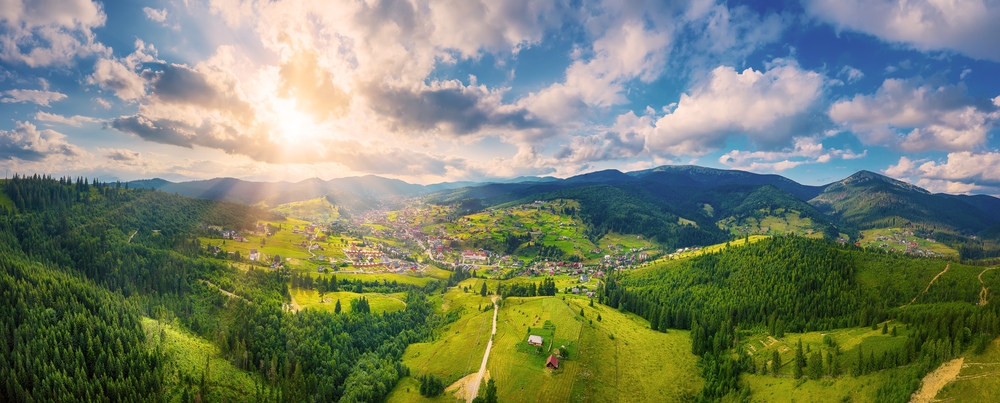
x: 430, y: 91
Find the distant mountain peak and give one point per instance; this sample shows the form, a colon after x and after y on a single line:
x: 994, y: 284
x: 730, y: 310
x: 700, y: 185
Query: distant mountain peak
x: 863, y: 176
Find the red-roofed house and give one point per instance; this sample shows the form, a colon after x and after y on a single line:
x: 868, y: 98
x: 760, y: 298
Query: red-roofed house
x: 552, y: 362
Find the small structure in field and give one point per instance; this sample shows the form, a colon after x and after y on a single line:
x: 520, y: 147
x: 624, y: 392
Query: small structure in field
x: 552, y: 362
x: 254, y: 255
x: 535, y: 340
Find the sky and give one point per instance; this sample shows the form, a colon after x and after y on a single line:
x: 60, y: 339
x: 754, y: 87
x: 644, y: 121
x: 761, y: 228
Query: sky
x: 443, y: 90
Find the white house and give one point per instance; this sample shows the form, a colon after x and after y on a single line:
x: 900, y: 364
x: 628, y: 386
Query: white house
x: 254, y: 255
x: 535, y: 340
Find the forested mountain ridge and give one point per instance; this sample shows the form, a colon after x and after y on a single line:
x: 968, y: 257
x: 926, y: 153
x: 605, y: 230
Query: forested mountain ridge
x: 869, y: 200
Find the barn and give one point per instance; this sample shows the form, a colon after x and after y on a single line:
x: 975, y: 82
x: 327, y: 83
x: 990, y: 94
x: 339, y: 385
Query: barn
x: 552, y: 362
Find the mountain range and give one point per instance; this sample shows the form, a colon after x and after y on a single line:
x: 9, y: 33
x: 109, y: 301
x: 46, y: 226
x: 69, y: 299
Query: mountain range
x: 715, y: 202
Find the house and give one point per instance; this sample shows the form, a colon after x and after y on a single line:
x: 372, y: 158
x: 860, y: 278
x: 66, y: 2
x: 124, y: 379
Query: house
x: 321, y: 269
x: 552, y: 362
x: 254, y: 255
x: 584, y: 279
x: 535, y: 340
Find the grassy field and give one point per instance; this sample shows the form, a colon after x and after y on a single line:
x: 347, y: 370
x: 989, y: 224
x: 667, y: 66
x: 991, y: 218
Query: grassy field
x: 546, y: 222
x: 457, y: 349
x: 782, y: 223
x: 192, y: 356
x: 318, y: 209
x: 979, y: 379
x: 604, y: 356
x: 898, y: 235
x: 379, y: 302
x: 288, y: 245
x: 718, y: 247
x: 827, y: 389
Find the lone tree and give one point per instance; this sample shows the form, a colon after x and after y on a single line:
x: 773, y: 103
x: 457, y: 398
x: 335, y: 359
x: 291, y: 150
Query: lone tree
x: 482, y: 291
x: 336, y: 309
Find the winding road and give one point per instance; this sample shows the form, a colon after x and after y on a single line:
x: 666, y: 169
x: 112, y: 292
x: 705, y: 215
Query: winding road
x: 931, y: 283
x: 982, y: 293
x: 474, y: 383
x: 130, y: 236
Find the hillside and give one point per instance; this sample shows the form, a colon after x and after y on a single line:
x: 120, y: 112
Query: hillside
x: 869, y: 200
x: 767, y: 290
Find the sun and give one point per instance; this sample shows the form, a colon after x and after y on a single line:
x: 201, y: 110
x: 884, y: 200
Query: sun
x: 292, y: 125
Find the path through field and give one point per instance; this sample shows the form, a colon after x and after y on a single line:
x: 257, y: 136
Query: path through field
x: 473, y: 385
x: 936, y: 380
x: 929, y: 285
x: 982, y: 293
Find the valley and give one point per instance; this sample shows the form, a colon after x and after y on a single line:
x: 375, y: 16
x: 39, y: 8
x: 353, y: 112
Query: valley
x: 741, y: 288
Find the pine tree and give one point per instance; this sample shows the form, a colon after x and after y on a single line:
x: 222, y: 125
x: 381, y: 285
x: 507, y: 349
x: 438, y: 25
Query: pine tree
x: 885, y: 328
x: 482, y: 291
x: 336, y: 309
x: 775, y: 362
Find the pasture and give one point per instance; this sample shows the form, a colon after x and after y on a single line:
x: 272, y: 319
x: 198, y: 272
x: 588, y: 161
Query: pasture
x: 192, y: 356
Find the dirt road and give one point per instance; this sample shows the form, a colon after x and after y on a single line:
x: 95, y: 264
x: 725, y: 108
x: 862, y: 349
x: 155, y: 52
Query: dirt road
x: 929, y: 285
x: 936, y: 380
x: 982, y: 293
x: 473, y: 385
x: 130, y: 236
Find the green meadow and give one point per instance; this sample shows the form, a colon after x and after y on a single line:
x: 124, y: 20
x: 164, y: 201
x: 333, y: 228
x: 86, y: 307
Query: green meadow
x: 191, y: 357
x: 310, y: 299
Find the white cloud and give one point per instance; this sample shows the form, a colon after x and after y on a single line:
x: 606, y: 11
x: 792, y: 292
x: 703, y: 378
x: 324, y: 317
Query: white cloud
x: 154, y: 14
x: 960, y: 172
x: 120, y: 75
x: 25, y: 142
x: 806, y: 150
x: 964, y: 73
x: 75, y: 121
x: 769, y: 107
x: 968, y: 27
x: 42, y: 98
x: 112, y: 75
x: 49, y: 32
x: 120, y: 154
x: 915, y: 116
x: 852, y: 74
x: 103, y: 103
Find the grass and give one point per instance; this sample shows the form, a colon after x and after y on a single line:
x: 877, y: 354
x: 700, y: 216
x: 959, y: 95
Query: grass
x: 318, y: 209
x: 286, y: 244
x: 782, y: 223
x: 6, y: 202
x: 190, y: 355
x: 310, y: 299
x: 599, y: 367
x: 456, y: 350
x: 868, y: 240
x: 545, y: 221
x: 979, y: 379
x: 716, y: 247
x: 826, y: 389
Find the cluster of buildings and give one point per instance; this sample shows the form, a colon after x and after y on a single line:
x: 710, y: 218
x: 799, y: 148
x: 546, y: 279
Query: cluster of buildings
x: 906, y: 245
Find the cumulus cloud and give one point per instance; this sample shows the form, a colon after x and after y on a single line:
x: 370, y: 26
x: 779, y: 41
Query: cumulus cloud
x: 449, y: 108
x: 915, y: 116
x: 154, y: 14
x: 120, y: 76
x: 42, y: 98
x: 49, y: 32
x: 968, y: 27
x: 113, y: 75
x: 806, y: 150
x: 26, y: 142
x: 769, y: 107
x: 960, y: 172
x: 75, y: 121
